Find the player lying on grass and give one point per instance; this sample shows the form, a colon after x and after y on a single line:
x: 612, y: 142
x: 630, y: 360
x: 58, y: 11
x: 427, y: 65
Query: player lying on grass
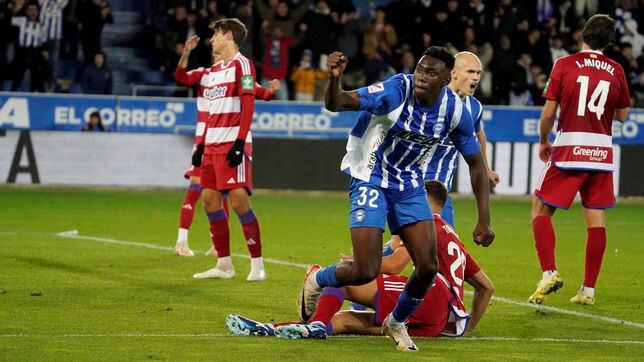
x: 442, y: 311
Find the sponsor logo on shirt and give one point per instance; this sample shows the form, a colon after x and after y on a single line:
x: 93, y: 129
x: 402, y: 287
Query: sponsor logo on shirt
x: 425, y: 141
x: 375, y: 88
x: 215, y: 92
x: 247, y: 82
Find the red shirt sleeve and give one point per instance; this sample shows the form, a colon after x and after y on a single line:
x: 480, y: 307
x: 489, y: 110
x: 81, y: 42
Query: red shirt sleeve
x: 262, y: 93
x: 624, y: 100
x: 188, y: 78
x: 552, y: 91
x: 245, y: 72
x: 471, y: 267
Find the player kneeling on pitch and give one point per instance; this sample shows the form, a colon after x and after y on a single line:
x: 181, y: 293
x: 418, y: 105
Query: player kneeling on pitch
x: 442, y: 312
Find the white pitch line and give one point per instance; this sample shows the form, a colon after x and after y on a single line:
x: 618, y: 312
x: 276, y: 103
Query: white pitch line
x: 224, y: 335
x: 73, y: 234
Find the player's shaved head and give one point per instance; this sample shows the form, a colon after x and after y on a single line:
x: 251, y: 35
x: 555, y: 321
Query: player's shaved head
x: 466, y: 74
x: 464, y: 59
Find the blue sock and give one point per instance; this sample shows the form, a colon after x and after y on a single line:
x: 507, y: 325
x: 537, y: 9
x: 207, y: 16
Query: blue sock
x: 405, y: 307
x: 326, y: 277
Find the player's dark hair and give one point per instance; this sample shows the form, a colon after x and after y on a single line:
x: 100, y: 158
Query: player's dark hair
x: 437, y: 191
x: 599, y: 31
x: 441, y: 54
x: 233, y: 25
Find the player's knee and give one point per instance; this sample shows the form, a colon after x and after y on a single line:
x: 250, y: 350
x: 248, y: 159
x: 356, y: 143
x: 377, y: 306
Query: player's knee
x: 427, y: 270
x: 363, y: 275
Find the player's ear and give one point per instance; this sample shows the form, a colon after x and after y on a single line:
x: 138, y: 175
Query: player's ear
x: 447, y: 79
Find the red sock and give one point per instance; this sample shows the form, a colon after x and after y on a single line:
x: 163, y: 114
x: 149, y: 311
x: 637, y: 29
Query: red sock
x: 219, y: 232
x: 328, y: 305
x: 544, y: 241
x: 187, y: 213
x: 250, y: 226
x: 224, y: 200
x: 595, y: 246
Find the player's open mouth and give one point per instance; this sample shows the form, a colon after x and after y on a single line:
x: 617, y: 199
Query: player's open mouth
x: 473, y: 86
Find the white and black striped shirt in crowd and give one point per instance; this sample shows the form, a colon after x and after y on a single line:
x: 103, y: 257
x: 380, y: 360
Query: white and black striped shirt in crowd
x: 29, y: 33
x: 51, y: 18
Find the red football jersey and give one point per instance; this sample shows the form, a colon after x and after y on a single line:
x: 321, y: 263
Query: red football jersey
x: 221, y: 87
x: 454, y: 262
x: 589, y: 88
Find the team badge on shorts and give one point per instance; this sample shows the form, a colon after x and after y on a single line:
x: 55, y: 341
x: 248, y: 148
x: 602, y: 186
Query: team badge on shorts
x: 360, y: 215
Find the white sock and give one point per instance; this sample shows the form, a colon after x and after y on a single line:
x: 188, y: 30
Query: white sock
x: 393, y: 322
x: 588, y: 290
x: 182, y: 238
x: 224, y: 263
x: 548, y: 273
x: 314, y: 280
x: 257, y: 263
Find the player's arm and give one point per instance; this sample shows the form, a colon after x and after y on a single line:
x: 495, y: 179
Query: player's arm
x: 267, y: 93
x: 181, y: 74
x: 547, y: 121
x: 351, y: 322
x: 621, y: 114
x: 336, y: 99
x: 483, y: 290
x: 466, y: 143
x: 246, y: 85
x: 492, y: 176
x: 624, y: 100
x: 396, y: 262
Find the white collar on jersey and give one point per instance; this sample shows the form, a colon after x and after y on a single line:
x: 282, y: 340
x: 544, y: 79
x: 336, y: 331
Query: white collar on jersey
x: 591, y: 51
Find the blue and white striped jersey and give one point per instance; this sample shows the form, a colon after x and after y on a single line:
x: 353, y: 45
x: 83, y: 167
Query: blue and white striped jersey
x: 394, y: 131
x: 51, y: 18
x: 440, y: 163
x: 29, y: 32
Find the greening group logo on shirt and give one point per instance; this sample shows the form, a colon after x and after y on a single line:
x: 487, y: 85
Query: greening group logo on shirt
x: 247, y: 82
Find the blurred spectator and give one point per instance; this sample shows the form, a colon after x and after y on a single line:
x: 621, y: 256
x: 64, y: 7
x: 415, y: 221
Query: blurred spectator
x: 29, y: 53
x: 5, y: 38
x: 278, y: 13
x: 557, y: 50
x: 320, y: 27
x: 51, y: 18
x: 378, y: 41
x: 244, y: 12
x: 95, y: 123
x: 522, y: 81
x: 501, y: 66
x: 69, y: 41
x: 97, y: 77
x: 407, y: 62
x: 176, y: 30
x: 586, y: 8
x: 627, y: 16
x: 349, y: 38
x: 93, y: 15
x: 276, y: 60
x: 304, y: 77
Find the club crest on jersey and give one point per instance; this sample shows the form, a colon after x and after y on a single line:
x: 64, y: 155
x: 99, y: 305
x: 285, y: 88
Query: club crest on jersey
x: 438, y: 127
x: 375, y: 88
x: 215, y: 92
x: 360, y: 215
x: 247, y: 82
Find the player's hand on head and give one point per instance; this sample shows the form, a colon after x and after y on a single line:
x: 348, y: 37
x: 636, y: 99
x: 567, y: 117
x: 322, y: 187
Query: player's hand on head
x: 191, y: 43
x: 483, y: 235
x: 493, y: 177
x: 336, y: 64
x: 236, y: 153
x: 545, y: 150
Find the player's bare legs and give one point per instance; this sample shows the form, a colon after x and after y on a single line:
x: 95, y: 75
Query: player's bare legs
x: 595, y: 247
x: 186, y: 216
x: 544, y: 242
x: 239, y: 201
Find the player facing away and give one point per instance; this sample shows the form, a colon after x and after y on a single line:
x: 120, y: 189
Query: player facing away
x: 440, y: 163
x: 226, y: 162
x: 409, y: 114
x: 591, y: 90
x: 186, y: 215
x: 443, y: 302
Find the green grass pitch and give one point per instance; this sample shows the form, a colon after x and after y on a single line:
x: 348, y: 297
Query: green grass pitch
x: 81, y: 298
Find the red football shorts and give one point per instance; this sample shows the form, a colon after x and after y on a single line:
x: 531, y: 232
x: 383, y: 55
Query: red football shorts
x: 217, y: 175
x: 429, y: 319
x: 558, y: 188
x: 193, y: 171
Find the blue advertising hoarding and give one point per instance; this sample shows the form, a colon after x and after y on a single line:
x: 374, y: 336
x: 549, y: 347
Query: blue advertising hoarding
x: 271, y: 119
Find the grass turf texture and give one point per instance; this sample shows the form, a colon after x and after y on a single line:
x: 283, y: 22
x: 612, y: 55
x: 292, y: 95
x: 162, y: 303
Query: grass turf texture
x: 69, y: 299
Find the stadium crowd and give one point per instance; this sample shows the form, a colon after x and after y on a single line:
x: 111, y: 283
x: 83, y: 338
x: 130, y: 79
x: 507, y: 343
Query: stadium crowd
x: 517, y: 41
